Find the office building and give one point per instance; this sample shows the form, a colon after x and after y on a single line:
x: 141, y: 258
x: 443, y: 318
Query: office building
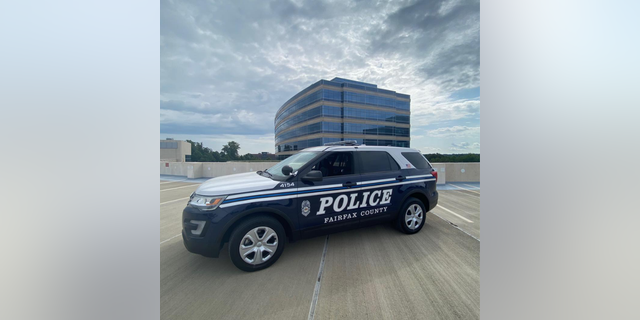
x: 342, y: 109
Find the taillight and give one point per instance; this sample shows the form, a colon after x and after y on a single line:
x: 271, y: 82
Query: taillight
x: 435, y: 174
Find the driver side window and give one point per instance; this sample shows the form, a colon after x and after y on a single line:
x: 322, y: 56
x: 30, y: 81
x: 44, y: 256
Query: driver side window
x: 336, y: 164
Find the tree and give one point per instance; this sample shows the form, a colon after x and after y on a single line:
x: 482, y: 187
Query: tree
x: 469, y: 157
x: 231, y: 149
x: 247, y: 156
x: 200, y: 153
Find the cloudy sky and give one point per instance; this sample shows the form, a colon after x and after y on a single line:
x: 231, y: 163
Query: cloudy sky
x: 227, y: 66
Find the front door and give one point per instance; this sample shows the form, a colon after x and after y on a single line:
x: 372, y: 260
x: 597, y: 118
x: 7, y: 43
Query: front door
x: 331, y: 202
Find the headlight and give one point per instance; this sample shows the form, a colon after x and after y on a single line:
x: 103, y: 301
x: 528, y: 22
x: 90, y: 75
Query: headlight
x: 206, y: 202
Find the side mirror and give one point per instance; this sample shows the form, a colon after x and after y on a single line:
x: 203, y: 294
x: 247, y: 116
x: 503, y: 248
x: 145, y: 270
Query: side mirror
x: 313, y: 175
x: 286, y: 170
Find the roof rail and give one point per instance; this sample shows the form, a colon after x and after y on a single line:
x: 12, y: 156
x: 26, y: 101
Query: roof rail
x: 343, y: 143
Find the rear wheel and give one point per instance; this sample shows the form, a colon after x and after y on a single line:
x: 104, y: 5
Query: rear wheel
x: 412, y: 217
x: 256, y: 243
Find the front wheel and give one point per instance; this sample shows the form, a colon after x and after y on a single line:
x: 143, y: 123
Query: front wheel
x: 256, y: 243
x: 412, y: 217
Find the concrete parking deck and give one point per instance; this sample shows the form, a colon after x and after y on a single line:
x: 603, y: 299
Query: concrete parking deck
x: 368, y: 273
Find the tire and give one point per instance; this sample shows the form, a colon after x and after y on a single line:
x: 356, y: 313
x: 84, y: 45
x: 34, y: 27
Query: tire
x: 412, y: 217
x: 256, y: 236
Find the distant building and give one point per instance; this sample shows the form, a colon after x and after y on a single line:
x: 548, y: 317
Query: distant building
x: 342, y: 109
x: 263, y: 156
x: 175, y: 150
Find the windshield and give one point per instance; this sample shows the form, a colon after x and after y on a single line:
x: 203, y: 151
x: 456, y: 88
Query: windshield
x: 296, y: 162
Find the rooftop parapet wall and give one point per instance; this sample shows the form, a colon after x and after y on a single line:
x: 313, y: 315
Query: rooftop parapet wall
x: 194, y: 170
x: 447, y: 172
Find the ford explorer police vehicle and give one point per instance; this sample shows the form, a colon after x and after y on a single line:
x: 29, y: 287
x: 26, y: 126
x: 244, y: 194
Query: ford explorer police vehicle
x: 315, y: 191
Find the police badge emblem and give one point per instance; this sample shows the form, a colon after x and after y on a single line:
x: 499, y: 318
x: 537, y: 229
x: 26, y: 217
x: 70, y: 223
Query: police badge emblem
x: 306, y: 208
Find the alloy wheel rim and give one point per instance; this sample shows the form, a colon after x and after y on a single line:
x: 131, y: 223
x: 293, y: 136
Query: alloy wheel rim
x: 413, y: 217
x: 258, y: 245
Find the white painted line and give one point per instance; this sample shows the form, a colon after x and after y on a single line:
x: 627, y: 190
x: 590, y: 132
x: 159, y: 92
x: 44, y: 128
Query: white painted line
x: 475, y: 187
x: 456, y: 226
x: 177, y: 235
x: 169, y: 181
x: 453, y: 185
x: 192, y: 185
x: 455, y: 214
x: 161, y: 203
x: 316, y: 291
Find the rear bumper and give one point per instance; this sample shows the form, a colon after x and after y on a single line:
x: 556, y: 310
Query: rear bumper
x: 433, y: 200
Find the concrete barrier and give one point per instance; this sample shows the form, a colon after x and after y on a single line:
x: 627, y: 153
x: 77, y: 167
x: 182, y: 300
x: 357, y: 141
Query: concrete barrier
x: 447, y: 172
x: 194, y: 170
x: 442, y: 172
x: 458, y: 172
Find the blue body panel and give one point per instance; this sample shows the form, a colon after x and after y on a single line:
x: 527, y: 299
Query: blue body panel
x: 311, y: 208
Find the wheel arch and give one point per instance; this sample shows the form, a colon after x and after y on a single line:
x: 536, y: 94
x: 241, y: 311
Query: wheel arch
x: 418, y: 194
x: 284, y: 220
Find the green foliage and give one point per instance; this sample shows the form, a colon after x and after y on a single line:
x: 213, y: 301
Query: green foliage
x: 247, y: 156
x: 469, y: 157
x: 229, y: 152
x: 199, y: 153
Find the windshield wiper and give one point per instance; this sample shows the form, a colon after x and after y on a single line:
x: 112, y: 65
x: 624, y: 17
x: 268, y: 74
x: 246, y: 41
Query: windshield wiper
x: 265, y: 171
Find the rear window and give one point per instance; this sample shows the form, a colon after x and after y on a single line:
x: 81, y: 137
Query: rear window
x: 377, y: 161
x: 417, y: 160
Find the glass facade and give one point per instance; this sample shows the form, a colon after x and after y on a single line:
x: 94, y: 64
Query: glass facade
x: 342, y: 109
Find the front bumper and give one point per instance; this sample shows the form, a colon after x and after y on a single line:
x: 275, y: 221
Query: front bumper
x: 208, y: 243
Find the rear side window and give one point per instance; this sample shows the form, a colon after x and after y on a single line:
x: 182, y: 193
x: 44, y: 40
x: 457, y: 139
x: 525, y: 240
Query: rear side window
x: 417, y: 160
x: 377, y: 161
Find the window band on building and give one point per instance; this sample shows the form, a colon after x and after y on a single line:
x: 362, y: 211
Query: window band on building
x: 342, y: 109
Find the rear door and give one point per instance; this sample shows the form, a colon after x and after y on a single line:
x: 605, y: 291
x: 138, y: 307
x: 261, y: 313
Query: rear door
x: 380, y: 175
x: 328, y: 203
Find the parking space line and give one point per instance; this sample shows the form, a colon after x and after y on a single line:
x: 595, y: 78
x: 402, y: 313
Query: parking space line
x: 316, y: 290
x: 192, y: 185
x: 468, y: 185
x: 455, y: 214
x: 169, y: 181
x: 453, y: 185
x: 455, y: 226
x: 177, y: 235
x: 161, y: 203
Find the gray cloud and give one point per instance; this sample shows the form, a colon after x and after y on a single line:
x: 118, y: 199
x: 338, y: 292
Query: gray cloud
x: 455, y: 131
x: 443, y: 36
x: 237, y: 61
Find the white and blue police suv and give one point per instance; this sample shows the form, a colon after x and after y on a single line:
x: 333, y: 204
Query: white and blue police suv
x: 315, y: 191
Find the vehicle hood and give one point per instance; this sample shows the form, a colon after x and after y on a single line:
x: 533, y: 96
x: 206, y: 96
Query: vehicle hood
x: 235, y: 183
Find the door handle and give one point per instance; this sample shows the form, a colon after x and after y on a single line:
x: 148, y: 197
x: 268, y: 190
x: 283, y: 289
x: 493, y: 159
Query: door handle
x: 400, y: 178
x: 349, y: 184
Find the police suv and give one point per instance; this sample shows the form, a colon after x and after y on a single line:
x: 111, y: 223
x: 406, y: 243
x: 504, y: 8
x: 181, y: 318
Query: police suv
x: 315, y: 191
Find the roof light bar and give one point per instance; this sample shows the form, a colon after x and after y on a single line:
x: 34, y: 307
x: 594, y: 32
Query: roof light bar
x: 343, y: 143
